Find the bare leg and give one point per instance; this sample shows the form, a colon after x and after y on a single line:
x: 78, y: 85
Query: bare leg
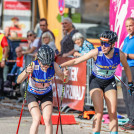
x: 47, y: 108
x: 111, y: 101
x: 36, y: 116
x: 97, y: 98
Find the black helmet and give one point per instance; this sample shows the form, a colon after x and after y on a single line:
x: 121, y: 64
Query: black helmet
x: 109, y: 36
x: 45, y: 55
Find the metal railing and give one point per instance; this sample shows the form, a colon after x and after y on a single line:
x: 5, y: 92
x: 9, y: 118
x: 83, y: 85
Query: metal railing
x: 28, y: 58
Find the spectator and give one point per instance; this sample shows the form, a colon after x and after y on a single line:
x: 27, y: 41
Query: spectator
x: 128, y: 49
x: 16, y: 70
x: 3, y: 56
x: 64, y: 32
x: 33, y: 43
x: 9, y: 65
x: 43, y: 27
x: 37, y: 30
x: 67, y: 44
x: 48, y: 39
x: 82, y: 46
x: 7, y: 31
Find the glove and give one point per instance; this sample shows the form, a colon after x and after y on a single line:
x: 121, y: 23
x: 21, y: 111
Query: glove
x: 131, y: 88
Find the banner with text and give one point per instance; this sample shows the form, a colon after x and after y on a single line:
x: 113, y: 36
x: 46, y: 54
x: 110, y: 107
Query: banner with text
x: 74, y: 92
x: 119, y: 11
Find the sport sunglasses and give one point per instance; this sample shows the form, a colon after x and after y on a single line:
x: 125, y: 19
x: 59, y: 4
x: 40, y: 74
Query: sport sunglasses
x: 105, y: 44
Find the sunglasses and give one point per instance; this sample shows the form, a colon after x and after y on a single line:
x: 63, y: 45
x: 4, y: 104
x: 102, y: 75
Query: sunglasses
x: 29, y: 35
x: 105, y: 44
x: 64, y: 23
x: 18, y: 51
x: 45, y: 37
x: 42, y: 25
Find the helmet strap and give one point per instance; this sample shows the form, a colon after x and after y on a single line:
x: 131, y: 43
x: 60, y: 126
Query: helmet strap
x: 109, y: 50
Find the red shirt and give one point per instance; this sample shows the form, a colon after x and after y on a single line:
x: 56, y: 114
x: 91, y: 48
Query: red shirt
x: 19, y: 61
x: 17, y: 30
x: 4, y: 42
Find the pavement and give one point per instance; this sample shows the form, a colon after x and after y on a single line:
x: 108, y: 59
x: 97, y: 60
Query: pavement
x: 9, y: 117
x: 10, y: 112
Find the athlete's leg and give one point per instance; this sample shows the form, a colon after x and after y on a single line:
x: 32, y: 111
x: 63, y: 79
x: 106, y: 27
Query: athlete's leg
x: 97, y: 98
x: 36, y: 116
x: 47, y: 108
x: 111, y: 101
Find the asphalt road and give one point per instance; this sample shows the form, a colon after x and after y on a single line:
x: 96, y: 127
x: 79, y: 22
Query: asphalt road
x: 9, y: 117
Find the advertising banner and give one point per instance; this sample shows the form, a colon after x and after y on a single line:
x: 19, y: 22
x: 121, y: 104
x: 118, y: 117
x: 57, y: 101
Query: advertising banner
x: 119, y: 11
x: 74, y: 92
x: 17, y: 17
x: 72, y: 3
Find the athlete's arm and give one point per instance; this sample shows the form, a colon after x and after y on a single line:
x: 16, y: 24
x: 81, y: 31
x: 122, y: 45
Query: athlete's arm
x: 91, y: 54
x: 28, y: 70
x: 59, y: 72
x: 126, y: 66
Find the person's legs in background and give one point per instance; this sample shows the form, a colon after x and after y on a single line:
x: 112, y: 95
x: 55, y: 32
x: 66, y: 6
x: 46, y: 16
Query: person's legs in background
x: 128, y: 102
x: 131, y: 103
x: 5, y: 72
x: 7, y: 69
x: 125, y: 93
x: 1, y: 83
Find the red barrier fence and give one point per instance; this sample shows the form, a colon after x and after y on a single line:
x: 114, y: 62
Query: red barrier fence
x: 75, y: 89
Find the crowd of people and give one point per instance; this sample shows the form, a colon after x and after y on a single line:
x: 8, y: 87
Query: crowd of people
x: 102, y: 82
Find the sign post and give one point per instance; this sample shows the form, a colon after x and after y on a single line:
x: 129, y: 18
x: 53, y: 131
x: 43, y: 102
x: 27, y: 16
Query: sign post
x: 61, y: 6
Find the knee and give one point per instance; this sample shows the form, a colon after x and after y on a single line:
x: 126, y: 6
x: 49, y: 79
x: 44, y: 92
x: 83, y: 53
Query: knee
x: 37, y: 119
x: 48, y: 121
x: 99, y: 115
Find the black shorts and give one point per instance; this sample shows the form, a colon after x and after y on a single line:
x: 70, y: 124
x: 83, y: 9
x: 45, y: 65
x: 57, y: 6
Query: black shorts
x: 42, y: 98
x: 105, y: 85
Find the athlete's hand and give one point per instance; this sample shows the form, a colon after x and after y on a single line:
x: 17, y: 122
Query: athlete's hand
x: 29, y: 69
x: 66, y: 73
x: 131, y: 88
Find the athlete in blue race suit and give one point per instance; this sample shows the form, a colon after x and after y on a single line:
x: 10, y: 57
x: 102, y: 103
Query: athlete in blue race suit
x: 102, y: 81
x: 41, y: 73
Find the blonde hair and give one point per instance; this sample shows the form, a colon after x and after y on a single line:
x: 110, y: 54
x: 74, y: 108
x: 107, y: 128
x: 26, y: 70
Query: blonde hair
x: 47, y: 34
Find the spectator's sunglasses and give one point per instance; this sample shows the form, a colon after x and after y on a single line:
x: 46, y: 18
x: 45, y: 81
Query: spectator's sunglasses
x: 105, y: 44
x: 42, y: 25
x: 29, y: 35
